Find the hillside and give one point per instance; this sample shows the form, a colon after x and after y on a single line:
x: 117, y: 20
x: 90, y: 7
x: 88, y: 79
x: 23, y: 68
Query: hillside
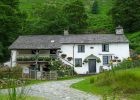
x: 101, y: 22
x: 98, y: 22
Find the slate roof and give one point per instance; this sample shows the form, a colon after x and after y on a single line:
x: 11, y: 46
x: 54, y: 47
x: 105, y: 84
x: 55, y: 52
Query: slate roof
x: 55, y: 41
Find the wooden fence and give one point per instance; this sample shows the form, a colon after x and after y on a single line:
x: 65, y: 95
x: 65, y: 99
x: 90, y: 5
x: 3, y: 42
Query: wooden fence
x: 50, y: 75
x: 38, y: 75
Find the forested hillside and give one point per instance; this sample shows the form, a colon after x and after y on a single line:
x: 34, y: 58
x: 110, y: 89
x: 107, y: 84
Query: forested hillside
x: 31, y: 17
x: 98, y: 11
x: 98, y: 22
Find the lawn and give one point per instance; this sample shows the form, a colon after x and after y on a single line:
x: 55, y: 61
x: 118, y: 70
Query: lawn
x: 125, y: 85
x: 5, y: 97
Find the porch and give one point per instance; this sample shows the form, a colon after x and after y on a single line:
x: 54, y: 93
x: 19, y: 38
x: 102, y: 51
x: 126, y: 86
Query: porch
x: 35, y: 55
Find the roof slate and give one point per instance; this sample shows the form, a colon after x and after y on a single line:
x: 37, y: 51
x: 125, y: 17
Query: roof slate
x: 55, y: 41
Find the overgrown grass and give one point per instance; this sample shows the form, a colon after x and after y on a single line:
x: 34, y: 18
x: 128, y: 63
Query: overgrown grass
x: 26, y: 83
x: 121, y: 83
x: 6, y: 97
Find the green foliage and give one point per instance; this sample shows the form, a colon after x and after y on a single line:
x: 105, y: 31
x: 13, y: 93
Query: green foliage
x: 127, y: 14
x: 50, y: 19
x: 127, y: 64
x: 100, y: 22
x: 6, y: 72
x: 76, y: 16
x: 33, y: 58
x: 122, y: 81
x: 122, y: 84
x: 5, y: 97
x: 58, y: 65
x: 95, y: 7
x: 12, y: 24
x: 135, y: 42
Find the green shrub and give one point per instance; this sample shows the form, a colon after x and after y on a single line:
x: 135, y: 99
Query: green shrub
x: 104, y: 79
x: 14, y: 72
x: 127, y: 64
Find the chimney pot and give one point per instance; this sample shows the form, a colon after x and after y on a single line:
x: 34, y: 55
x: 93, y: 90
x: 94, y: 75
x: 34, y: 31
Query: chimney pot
x: 66, y: 32
x: 119, y: 30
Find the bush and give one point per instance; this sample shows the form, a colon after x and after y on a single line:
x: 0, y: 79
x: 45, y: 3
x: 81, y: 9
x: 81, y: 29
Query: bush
x: 127, y: 64
x: 14, y: 72
x: 104, y: 79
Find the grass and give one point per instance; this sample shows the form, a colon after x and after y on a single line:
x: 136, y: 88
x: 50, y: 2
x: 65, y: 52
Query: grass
x: 125, y: 84
x: 5, y: 97
x: 27, y: 82
x: 31, y: 82
x: 90, y: 88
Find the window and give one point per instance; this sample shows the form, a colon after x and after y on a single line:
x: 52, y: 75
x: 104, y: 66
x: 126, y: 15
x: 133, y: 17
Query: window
x: 81, y: 48
x: 105, y: 47
x: 106, y: 60
x: 78, y: 62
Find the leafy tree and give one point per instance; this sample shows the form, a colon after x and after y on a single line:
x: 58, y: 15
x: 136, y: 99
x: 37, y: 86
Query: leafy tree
x: 11, y: 25
x: 51, y: 20
x: 127, y: 14
x: 95, y: 7
x: 76, y: 16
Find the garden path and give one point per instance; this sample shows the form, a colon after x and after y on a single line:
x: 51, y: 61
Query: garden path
x: 60, y: 90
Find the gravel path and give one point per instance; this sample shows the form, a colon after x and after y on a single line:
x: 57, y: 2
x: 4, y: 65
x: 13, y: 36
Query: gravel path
x: 60, y: 90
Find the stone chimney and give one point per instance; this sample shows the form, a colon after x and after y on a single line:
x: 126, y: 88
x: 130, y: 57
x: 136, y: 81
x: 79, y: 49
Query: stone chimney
x: 119, y: 30
x: 66, y: 32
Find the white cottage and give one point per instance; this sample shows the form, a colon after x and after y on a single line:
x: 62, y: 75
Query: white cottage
x: 87, y: 53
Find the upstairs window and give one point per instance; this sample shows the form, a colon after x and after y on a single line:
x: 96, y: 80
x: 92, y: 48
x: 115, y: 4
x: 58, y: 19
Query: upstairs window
x: 81, y: 48
x: 78, y: 62
x: 105, y: 47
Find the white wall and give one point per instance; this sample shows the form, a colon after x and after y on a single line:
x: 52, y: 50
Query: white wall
x: 13, y: 57
x: 120, y: 50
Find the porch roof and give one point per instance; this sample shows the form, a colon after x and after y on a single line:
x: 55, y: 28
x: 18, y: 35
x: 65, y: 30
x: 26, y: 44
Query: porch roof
x: 37, y: 42
x: 91, y: 57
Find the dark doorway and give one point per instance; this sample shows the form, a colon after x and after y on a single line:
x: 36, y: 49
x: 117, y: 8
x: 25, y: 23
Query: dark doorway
x: 53, y: 51
x: 92, y: 65
x: 45, y: 68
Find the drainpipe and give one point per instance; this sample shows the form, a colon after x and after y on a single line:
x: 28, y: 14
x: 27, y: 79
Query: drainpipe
x: 73, y: 57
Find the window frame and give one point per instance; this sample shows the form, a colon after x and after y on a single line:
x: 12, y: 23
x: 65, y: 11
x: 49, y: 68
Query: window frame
x: 81, y: 48
x: 109, y: 57
x: 105, y: 47
x: 79, y: 62
x: 106, y: 61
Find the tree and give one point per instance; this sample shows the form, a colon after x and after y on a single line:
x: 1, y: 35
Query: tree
x: 95, y: 7
x: 51, y: 20
x: 76, y: 16
x: 11, y: 25
x: 127, y: 14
